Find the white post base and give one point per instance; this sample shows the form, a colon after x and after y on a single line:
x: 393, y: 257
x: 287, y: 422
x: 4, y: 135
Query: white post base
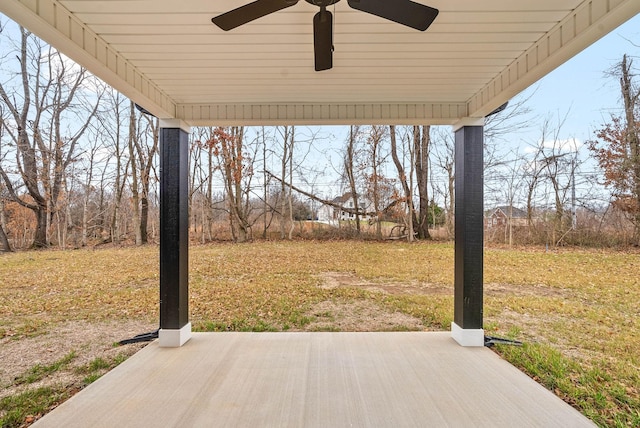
x: 467, y: 337
x: 174, y: 338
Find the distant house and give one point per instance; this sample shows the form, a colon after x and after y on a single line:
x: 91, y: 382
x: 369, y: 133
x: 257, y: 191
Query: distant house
x: 324, y: 214
x: 499, y: 217
x: 332, y: 215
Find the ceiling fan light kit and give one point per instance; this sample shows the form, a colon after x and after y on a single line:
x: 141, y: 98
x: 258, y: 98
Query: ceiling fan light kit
x: 404, y: 12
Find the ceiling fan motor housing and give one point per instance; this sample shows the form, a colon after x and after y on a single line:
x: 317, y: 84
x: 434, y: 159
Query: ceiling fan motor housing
x: 322, y: 3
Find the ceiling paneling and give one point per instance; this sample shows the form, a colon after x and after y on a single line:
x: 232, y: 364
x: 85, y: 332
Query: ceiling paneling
x: 166, y: 55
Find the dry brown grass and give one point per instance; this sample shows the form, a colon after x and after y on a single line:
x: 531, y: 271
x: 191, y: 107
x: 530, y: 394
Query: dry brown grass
x: 578, y: 311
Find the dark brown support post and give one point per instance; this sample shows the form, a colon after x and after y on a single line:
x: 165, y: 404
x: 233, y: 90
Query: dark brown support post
x: 467, y: 328
x: 175, y: 328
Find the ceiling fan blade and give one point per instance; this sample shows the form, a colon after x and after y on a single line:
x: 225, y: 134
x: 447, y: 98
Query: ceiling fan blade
x: 323, y: 40
x: 249, y: 12
x: 405, y: 12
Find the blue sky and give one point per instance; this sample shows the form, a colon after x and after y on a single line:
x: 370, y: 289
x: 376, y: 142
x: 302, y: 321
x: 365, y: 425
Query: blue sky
x: 581, y: 88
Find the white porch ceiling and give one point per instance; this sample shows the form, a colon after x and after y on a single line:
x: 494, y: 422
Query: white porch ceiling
x: 167, y: 56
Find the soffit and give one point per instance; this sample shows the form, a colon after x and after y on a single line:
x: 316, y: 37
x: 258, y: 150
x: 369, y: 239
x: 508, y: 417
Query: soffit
x: 167, y: 56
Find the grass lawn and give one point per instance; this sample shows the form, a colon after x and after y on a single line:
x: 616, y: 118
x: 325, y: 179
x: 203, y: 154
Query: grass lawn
x: 577, y: 311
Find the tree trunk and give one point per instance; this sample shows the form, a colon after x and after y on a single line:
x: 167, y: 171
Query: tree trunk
x: 135, y: 195
x: 4, y: 240
x: 510, y: 222
x: 40, y: 236
x: 243, y: 235
x: 144, y: 219
x: 242, y: 194
x: 452, y: 194
x: 203, y: 221
x: 119, y: 186
x: 408, y: 193
x: 530, y: 190
x: 446, y: 161
x: 85, y: 199
x: 374, y: 144
x: 100, y: 220
x: 421, y: 149
x: 411, y: 236
x: 145, y: 177
x: 85, y: 221
x: 210, y: 170
x: 265, y: 186
x: 633, y: 136
x: 283, y: 188
x: 559, y: 215
x: 290, y: 196
x: 229, y: 149
x: 120, y: 173
x: 376, y: 190
x: 349, y: 169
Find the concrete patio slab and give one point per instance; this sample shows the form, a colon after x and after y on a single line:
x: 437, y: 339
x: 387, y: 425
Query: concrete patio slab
x: 412, y: 379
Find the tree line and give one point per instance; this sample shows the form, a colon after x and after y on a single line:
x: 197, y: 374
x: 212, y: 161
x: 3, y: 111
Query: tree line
x: 78, y: 167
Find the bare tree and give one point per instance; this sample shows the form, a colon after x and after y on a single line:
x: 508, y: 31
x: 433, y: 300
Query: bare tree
x: 142, y: 142
x: 350, y: 159
x: 266, y: 208
x: 510, y: 189
x: 550, y: 173
x: 617, y: 148
x: 421, y: 144
x: 5, y: 245
x: 4, y: 240
x: 374, y: 179
x: 237, y: 169
x: 444, y: 154
x: 199, y: 201
x: 407, y: 186
x: 49, y: 88
x: 90, y: 162
x: 135, y: 194
x: 287, y: 133
x: 113, y: 127
x: 146, y: 151
x: 532, y: 173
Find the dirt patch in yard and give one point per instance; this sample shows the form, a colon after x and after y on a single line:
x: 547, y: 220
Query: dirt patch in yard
x: 521, y: 290
x: 348, y: 279
x: 366, y: 316
x: 359, y: 316
x: 86, y: 341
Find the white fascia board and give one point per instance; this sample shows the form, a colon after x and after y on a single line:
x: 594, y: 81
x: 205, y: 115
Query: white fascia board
x: 230, y: 114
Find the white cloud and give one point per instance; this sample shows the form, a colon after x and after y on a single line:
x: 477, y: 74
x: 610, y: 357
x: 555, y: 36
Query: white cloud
x: 568, y: 145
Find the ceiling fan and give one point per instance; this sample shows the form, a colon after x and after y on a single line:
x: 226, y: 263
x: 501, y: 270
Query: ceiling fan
x: 405, y: 12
